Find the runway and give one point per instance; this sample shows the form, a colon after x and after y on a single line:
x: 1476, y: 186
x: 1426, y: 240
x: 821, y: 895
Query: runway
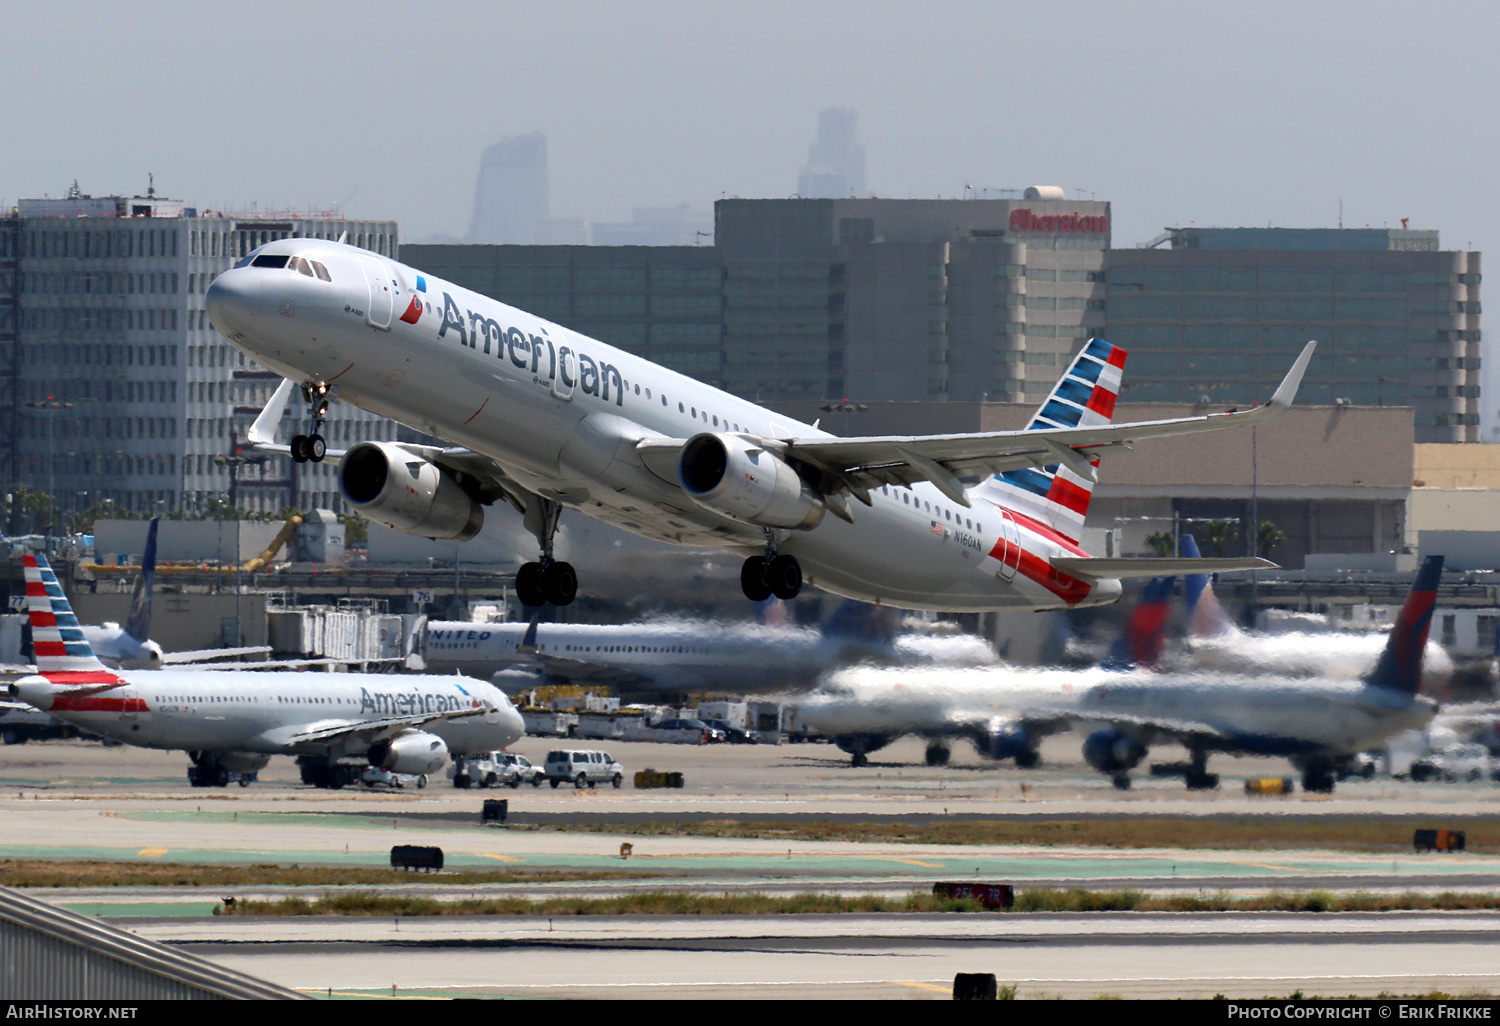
x: 70, y: 800
x: 893, y: 956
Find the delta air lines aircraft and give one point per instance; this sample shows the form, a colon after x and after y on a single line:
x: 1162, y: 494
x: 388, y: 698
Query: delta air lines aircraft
x: 543, y: 418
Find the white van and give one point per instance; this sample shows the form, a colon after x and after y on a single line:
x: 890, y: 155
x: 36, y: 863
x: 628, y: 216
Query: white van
x: 583, y: 768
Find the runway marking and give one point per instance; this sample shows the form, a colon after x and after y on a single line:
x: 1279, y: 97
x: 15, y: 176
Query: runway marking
x: 151, y: 853
x: 492, y: 855
x: 923, y: 986
x: 909, y: 862
x: 1267, y: 865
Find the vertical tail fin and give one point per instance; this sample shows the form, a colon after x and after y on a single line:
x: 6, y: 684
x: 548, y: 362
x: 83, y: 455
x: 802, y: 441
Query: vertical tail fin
x: 1400, y: 665
x: 1084, y: 397
x: 56, y: 638
x: 1206, y: 617
x: 139, y: 624
x: 1145, y: 631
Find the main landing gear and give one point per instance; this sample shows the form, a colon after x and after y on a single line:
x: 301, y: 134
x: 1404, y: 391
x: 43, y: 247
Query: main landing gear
x: 547, y: 579
x: 312, y: 448
x: 764, y: 576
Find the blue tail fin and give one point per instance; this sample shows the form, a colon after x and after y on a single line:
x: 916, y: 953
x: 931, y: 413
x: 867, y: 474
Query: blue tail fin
x: 139, y: 624
x: 1145, y: 631
x: 1206, y: 617
x: 1400, y: 665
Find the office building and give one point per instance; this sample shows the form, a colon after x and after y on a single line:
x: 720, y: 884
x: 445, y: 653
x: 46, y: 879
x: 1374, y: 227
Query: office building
x: 836, y: 161
x: 512, y: 197
x: 118, y: 387
x: 1218, y: 316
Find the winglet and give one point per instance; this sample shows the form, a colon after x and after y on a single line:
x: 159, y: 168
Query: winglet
x: 1286, y: 392
x: 528, y: 641
x: 262, y: 433
x: 1400, y: 666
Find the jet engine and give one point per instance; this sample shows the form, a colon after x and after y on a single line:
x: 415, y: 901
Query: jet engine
x: 414, y: 751
x: 1011, y: 741
x: 862, y: 744
x: 730, y: 474
x: 1110, y: 751
x: 393, y: 487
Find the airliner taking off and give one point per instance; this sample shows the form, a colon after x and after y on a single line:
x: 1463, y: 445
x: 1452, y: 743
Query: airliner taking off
x: 543, y: 418
x: 335, y: 723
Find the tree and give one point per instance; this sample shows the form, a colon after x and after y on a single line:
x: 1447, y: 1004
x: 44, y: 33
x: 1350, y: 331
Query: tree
x: 1162, y: 543
x: 356, y: 529
x: 1267, y: 537
x: 1221, y: 534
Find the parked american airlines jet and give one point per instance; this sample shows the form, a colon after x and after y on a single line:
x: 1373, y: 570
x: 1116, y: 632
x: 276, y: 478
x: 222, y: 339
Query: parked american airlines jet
x: 335, y: 723
x: 544, y: 418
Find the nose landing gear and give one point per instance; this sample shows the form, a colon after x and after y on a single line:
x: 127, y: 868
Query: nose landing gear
x: 764, y: 576
x: 547, y: 579
x: 312, y: 448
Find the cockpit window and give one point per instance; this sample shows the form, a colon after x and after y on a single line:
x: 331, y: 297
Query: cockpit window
x: 300, y: 266
x: 271, y: 260
x: 320, y: 270
x: 244, y: 262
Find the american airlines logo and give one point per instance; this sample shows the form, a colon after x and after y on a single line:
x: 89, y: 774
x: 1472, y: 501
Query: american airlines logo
x: 409, y: 702
x: 1024, y: 220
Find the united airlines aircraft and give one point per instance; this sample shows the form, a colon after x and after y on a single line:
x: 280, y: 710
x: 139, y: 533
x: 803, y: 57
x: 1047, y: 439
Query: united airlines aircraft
x: 543, y: 418
x: 228, y: 721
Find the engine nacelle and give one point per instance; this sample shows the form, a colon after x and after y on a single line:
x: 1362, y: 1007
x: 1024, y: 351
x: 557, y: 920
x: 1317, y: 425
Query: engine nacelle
x: 1009, y: 741
x: 393, y: 487
x: 861, y: 744
x: 414, y: 752
x: 1110, y: 751
x: 730, y: 474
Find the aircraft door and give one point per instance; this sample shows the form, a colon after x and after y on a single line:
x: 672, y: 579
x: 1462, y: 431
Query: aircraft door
x: 567, y: 375
x: 1010, y: 557
x: 382, y: 294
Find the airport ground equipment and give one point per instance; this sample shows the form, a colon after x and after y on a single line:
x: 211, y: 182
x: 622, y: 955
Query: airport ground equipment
x: 417, y: 856
x: 583, y: 768
x: 1270, y: 785
x: 1438, y: 840
x: 975, y: 987
x: 648, y: 778
x: 989, y: 895
x: 495, y: 810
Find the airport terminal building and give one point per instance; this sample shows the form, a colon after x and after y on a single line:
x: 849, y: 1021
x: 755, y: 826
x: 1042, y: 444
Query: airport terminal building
x: 112, y: 382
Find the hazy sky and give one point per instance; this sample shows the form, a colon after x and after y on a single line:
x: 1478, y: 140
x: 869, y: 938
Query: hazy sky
x: 1228, y: 114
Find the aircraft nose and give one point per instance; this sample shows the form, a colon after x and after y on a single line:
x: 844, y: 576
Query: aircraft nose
x: 233, y: 300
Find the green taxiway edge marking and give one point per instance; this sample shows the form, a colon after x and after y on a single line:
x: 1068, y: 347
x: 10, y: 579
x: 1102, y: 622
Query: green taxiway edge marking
x: 142, y: 908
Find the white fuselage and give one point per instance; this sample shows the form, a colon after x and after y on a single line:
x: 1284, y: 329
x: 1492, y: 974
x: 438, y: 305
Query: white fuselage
x: 561, y: 412
x: 686, y: 655
x: 1246, y: 714
x: 193, y: 710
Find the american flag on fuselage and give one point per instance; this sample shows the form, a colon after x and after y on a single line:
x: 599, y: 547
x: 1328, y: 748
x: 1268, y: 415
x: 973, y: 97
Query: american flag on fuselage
x: 1084, y: 397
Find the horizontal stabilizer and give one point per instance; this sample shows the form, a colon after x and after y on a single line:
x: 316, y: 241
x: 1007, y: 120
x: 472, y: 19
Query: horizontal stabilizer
x: 1152, y: 566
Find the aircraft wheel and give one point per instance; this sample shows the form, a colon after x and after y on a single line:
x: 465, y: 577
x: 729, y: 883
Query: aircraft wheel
x: 1121, y: 781
x: 937, y: 755
x: 785, y: 575
x: 244, y: 780
x: 1028, y: 759
x: 859, y: 759
x: 529, y: 585
x: 1201, y: 781
x: 220, y: 775
x: 299, y: 448
x: 316, y: 447
x: 12, y: 736
x: 421, y: 781
x: 461, y: 781
x: 559, y: 583
x: 753, y: 579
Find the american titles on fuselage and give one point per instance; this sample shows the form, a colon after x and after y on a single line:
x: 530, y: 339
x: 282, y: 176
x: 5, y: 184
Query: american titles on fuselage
x: 410, y: 702
x: 481, y: 333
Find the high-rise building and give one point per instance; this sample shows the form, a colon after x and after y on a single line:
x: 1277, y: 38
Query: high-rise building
x: 835, y: 161
x: 512, y: 197
x: 1218, y: 316
x: 119, y: 386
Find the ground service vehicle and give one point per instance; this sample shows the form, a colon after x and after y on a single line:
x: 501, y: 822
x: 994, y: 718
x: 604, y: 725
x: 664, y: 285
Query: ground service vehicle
x: 583, y: 768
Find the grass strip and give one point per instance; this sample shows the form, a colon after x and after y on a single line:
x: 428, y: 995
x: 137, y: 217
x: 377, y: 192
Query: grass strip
x: 1040, y: 899
x: 1223, y: 833
x: 101, y: 873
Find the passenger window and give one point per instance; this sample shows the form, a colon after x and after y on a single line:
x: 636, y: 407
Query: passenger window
x: 906, y: 498
x: 695, y: 412
x: 679, y: 408
x: 271, y: 260
x: 638, y: 391
x: 948, y: 513
x: 716, y: 421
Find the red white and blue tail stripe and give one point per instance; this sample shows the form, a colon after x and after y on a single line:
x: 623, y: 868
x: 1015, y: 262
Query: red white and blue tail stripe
x: 56, y: 638
x: 1084, y: 397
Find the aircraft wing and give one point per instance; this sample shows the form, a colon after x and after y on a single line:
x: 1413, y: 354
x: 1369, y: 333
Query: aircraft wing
x: 1149, y: 566
x: 1183, y: 730
x: 207, y: 655
x: 377, y: 729
x: 861, y: 463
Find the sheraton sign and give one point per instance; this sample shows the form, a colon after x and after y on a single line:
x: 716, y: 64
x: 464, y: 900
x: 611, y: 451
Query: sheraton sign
x: 1024, y: 220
